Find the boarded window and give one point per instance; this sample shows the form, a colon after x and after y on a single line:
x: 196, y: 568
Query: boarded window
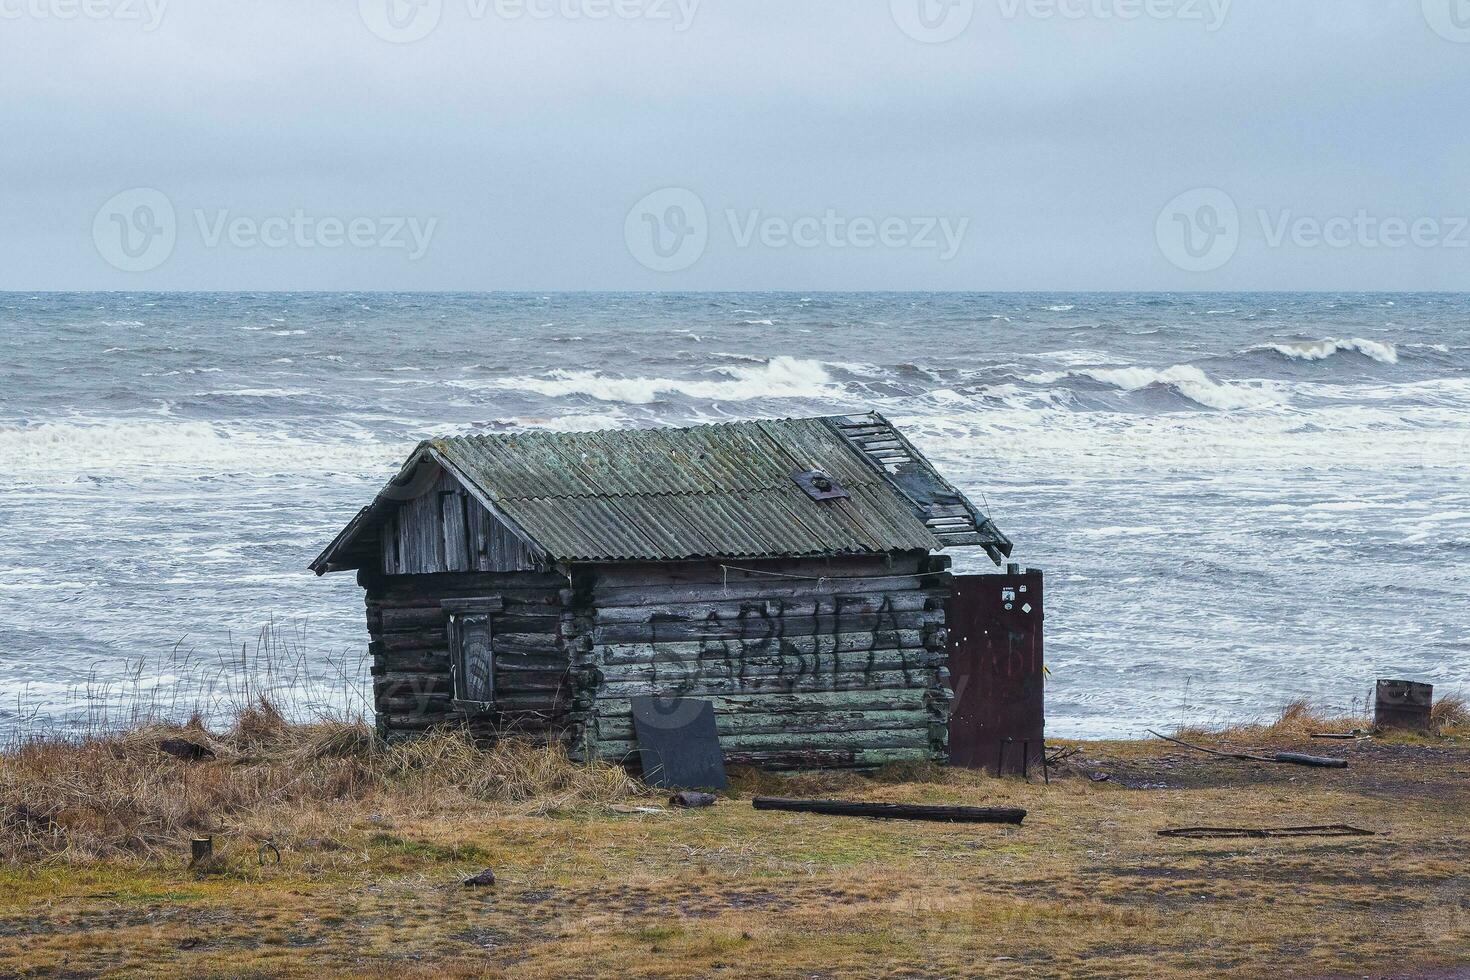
x: 472, y: 653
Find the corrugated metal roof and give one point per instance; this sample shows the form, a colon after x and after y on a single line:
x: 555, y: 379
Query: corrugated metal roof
x: 713, y: 491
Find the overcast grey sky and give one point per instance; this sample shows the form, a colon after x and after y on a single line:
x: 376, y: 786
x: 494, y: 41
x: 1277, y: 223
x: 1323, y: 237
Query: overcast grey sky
x: 786, y: 144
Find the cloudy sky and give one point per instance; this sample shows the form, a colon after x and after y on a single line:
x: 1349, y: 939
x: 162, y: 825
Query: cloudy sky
x: 734, y: 144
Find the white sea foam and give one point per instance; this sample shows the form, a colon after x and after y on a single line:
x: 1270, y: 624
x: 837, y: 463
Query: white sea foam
x: 1187, y: 380
x: 1320, y: 350
x: 780, y: 377
x: 1079, y: 358
x: 63, y: 450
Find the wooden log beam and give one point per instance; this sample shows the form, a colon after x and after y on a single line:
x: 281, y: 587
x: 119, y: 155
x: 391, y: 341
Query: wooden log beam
x: 640, y: 574
x: 737, y: 665
x: 790, y: 683
x: 765, y: 588
x: 912, y: 699
x: 757, y: 628
x: 819, y: 722
x: 790, y: 646
x: 769, y: 608
x: 795, y: 741
x: 894, y: 811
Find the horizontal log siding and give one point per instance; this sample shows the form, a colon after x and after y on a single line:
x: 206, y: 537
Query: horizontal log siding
x: 809, y: 663
x: 410, y: 653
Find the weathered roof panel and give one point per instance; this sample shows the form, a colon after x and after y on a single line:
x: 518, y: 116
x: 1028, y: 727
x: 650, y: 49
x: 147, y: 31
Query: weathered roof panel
x: 713, y: 491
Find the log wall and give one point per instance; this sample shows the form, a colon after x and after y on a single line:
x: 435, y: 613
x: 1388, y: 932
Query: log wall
x: 410, y: 653
x: 815, y: 663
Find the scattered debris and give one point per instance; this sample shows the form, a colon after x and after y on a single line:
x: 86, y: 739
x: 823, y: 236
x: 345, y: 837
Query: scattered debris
x: 894, y: 811
x: 1098, y: 777
x: 268, y: 847
x: 1355, y: 734
x: 1291, y: 758
x: 691, y: 800
x: 182, y: 748
x: 1062, y: 755
x: 1327, y: 830
x: 485, y: 879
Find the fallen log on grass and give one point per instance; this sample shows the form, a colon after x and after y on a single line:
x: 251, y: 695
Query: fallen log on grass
x: 1328, y: 830
x: 1289, y: 758
x: 894, y: 811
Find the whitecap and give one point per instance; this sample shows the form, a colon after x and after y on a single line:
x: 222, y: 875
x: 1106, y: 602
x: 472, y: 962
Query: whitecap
x: 1185, y: 379
x: 780, y: 377
x: 1319, y: 350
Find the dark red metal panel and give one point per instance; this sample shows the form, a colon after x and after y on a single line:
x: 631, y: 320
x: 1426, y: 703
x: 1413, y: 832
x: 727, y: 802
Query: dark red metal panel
x: 997, y: 720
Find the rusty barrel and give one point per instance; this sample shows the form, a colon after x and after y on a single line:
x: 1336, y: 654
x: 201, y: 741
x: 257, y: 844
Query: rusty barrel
x: 1403, y: 704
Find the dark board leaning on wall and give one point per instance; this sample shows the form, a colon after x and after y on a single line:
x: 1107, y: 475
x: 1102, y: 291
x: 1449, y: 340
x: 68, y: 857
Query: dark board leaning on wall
x: 678, y: 744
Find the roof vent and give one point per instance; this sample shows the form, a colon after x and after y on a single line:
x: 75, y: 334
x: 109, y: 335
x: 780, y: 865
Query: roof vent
x: 819, y: 486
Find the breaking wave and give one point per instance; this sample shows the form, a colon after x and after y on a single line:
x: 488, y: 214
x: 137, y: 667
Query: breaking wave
x: 1320, y: 350
x: 1183, y: 379
x: 780, y: 377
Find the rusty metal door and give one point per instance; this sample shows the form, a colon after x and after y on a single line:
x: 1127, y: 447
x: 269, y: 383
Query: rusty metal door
x: 997, y: 720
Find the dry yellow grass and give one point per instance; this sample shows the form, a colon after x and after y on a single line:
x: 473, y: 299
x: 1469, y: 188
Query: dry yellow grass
x: 598, y: 878
x: 118, y: 794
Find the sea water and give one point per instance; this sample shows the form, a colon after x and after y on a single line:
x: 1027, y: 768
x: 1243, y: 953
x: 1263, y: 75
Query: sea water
x: 1238, y: 499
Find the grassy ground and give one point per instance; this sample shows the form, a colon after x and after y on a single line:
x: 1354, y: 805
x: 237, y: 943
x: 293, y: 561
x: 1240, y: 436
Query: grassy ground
x: 597, y: 877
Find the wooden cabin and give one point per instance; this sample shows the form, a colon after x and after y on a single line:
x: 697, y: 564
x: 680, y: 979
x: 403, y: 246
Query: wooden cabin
x: 788, y: 571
